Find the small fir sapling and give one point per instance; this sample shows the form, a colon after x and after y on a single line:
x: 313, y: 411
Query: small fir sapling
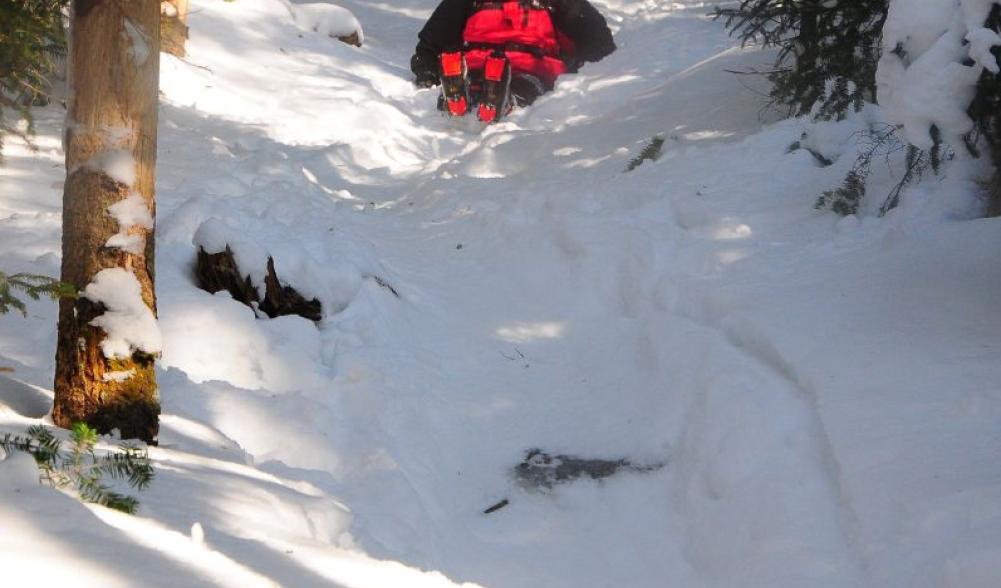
x: 80, y: 467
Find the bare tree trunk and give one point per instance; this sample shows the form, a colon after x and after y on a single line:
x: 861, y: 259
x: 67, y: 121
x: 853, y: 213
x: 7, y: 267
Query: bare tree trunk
x: 994, y: 201
x: 110, y: 146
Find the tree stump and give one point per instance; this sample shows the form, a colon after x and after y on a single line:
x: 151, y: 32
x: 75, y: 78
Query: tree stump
x: 218, y: 271
x: 352, y: 39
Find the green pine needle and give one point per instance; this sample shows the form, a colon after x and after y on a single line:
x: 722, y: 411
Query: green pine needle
x: 33, y: 286
x: 651, y: 152
x: 81, y: 468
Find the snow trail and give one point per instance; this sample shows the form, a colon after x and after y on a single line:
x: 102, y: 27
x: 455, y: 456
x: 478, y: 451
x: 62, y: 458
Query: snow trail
x: 530, y: 312
x: 491, y: 291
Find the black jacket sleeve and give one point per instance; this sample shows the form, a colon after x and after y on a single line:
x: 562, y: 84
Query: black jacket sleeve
x: 442, y: 32
x: 585, y: 26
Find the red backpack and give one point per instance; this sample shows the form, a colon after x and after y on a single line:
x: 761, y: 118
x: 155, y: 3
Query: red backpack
x: 523, y: 30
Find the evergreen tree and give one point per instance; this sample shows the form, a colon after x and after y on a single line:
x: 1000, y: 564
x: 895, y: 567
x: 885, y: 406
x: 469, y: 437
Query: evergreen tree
x: 985, y: 110
x: 940, y: 76
x: 828, y: 50
x: 31, y: 40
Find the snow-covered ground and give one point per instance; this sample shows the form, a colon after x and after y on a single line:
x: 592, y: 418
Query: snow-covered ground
x: 821, y: 395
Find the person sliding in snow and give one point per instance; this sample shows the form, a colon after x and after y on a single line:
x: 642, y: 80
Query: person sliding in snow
x: 493, y: 54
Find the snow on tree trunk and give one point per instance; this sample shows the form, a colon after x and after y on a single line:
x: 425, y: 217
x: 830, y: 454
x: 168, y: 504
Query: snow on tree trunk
x: 108, y: 337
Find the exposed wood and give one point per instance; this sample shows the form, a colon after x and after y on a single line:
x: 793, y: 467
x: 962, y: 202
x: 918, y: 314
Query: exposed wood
x: 173, y: 26
x: 114, y: 73
x: 280, y: 300
x: 994, y: 192
x: 497, y: 506
x: 182, y: 9
x: 352, y: 39
x: 215, y: 272
x: 218, y: 271
x: 994, y: 206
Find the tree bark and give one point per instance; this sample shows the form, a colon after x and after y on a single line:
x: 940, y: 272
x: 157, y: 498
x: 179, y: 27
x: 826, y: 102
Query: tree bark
x: 114, y: 79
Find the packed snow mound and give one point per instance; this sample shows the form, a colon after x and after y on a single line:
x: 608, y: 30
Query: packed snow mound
x: 323, y: 271
x: 328, y: 19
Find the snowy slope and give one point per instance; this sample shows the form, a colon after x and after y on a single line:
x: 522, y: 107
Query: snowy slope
x: 820, y: 395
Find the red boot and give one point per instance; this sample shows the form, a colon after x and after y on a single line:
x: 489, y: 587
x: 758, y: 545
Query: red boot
x: 496, y: 89
x: 454, y: 86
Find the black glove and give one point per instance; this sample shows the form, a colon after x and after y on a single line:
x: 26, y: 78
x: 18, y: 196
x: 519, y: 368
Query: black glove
x: 424, y: 64
x: 425, y: 79
x: 571, y: 61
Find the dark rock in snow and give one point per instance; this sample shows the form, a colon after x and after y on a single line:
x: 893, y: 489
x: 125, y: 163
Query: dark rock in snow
x: 541, y: 470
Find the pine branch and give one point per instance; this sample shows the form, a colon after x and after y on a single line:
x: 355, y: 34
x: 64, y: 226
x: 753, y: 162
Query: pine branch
x: 34, y: 287
x: 651, y: 152
x: 32, y: 38
x: 81, y: 468
x: 827, y: 51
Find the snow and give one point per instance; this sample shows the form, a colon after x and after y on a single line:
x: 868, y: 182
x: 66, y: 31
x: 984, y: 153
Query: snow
x: 327, y: 19
x: 139, y: 49
x: 923, y: 79
x: 129, y: 324
x: 118, y: 376
x: 821, y: 391
x: 130, y: 212
x: 118, y: 164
